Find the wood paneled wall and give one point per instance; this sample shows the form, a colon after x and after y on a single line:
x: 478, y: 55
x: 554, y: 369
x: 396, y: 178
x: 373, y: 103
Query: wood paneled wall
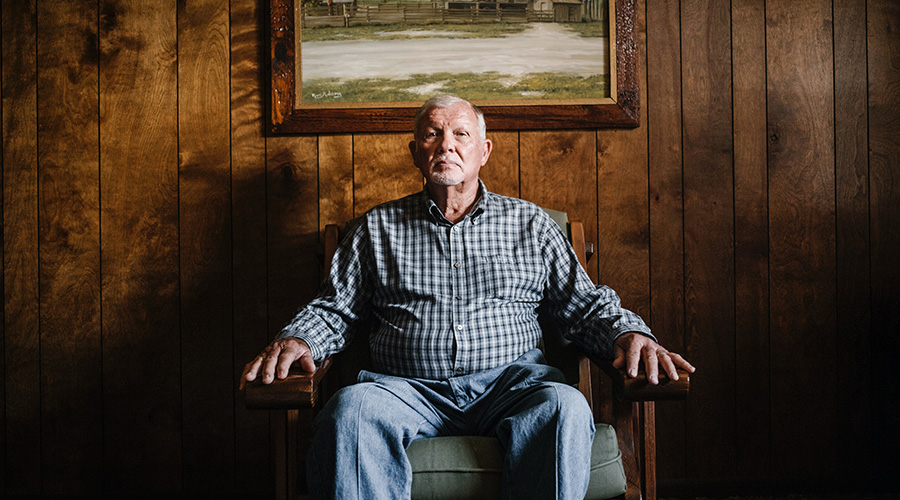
x: 154, y: 238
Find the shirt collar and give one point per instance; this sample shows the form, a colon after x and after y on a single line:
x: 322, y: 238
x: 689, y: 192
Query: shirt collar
x: 478, y: 209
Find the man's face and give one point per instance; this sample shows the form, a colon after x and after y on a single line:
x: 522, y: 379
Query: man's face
x: 448, y: 148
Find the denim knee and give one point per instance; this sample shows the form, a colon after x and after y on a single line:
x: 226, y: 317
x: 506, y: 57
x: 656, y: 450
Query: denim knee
x: 346, y: 407
x: 573, y: 405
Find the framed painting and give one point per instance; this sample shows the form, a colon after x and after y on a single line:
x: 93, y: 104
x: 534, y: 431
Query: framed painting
x: 345, y: 66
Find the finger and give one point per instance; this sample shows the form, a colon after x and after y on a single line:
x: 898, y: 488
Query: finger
x: 270, y: 362
x: 250, y: 371
x: 307, y: 363
x: 633, y: 359
x: 619, y: 360
x: 651, y: 365
x: 289, y: 353
x: 668, y: 366
x: 683, y: 363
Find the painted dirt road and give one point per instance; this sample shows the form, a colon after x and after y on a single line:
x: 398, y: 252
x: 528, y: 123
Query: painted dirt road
x: 543, y: 48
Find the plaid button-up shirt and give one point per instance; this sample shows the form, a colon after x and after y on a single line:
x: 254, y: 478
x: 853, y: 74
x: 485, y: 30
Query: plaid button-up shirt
x: 447, y: 299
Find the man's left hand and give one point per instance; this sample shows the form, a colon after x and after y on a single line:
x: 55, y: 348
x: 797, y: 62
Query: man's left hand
x: 632, y: 348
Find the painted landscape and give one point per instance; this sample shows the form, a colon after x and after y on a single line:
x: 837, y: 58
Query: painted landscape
x: 384, y: 52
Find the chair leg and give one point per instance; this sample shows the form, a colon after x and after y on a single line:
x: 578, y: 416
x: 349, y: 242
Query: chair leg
x: 625, y: 433
x: 294, y: 479
x: 280, y: 448
x: 290, y: 430
x: 648, y: 445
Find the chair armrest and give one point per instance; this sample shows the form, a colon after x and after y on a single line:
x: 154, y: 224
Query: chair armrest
x: 640, y: 389
x: 299, y: 389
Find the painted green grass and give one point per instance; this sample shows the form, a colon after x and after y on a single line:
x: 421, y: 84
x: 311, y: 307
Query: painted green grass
x: 401, y: 31
x: 491, y: 85
x: 595, y: 29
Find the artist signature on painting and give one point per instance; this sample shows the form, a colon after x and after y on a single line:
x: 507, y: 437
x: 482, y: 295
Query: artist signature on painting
x: 327, y: 95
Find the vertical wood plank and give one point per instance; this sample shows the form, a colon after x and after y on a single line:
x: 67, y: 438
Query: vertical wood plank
x: 884, y: 202
x: 852, y: 236
x: 335, y: 180
x: 293, y: 225
x: 21, y: 306
x: 800, y: 99
x: 205, y: 245
x: 708, y: 235
x: 253, y: 450
x: 751, y: 252
x: 558, y: 172
x: 71, y: 403
x: 666, y: 213
x: 382, y: 170
x: 139, y: 229
x: 501, y: 173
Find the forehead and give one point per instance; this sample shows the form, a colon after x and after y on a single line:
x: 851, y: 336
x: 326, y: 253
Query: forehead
x: 458, y: 115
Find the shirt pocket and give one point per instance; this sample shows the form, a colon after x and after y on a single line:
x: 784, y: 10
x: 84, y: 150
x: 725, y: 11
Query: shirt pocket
x: 508, y: 278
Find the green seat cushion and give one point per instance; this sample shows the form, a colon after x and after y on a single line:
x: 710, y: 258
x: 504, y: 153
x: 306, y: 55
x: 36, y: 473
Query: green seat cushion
x: 470, y: 467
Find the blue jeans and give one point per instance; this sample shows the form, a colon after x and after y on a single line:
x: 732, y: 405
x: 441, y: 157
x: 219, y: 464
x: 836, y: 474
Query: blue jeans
x: 545, y: 428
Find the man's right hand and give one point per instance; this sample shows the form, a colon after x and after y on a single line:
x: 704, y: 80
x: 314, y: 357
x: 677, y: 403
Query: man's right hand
x: 276, y: 360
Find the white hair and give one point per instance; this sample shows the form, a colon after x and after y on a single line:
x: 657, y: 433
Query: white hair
x: 448, y: 101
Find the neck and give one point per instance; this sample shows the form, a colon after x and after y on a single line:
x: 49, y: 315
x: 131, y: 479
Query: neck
x: 453, y: 201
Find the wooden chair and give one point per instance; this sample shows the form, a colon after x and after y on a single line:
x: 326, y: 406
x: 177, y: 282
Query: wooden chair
x: 627, y: 405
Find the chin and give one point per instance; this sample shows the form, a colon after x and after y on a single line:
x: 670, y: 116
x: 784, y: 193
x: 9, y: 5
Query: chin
x: 445, y: 180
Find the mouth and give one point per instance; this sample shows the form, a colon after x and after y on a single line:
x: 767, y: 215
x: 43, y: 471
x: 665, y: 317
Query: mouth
x: 442, y: 161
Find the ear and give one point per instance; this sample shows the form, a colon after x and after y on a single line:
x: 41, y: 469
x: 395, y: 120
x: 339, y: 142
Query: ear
x: 488, y: 147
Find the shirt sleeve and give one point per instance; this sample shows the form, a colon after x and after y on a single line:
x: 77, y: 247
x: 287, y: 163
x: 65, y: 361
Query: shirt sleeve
x: 326, y: 323
x: 591, y: 316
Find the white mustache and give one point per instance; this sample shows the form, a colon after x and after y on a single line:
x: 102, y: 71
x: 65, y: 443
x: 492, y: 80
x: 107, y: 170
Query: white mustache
x: 443, y: 158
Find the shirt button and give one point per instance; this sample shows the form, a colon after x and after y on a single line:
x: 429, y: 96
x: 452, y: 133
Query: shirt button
x: 456, y: 265
x: 458, y: 297
x: 459, y: 327
x: 460, y: 370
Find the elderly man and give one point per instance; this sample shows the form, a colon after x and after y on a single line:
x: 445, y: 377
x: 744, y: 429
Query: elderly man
x: 452, y: 278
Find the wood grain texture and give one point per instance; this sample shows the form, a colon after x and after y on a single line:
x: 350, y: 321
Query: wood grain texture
x: 751, y: 252
x: 204, y: 179
x: 853, y: 283
x: 665, y: 177
x: 800, y: 105
x: 139, y: 226
x: 883, y: 21
x: 21, y: 304
x: 501, y: 173
x: 709, y: 233
x: 382, y: 170
x: 803, y: 113
x: 253, y: 451
x: 335, y: 180
x: 69, y: 215
x: 293, y: 226
x: 558, y: 172
x: 622, y: 250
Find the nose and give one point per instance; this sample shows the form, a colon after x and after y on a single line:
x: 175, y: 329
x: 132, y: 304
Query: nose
x: 446, y: 145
